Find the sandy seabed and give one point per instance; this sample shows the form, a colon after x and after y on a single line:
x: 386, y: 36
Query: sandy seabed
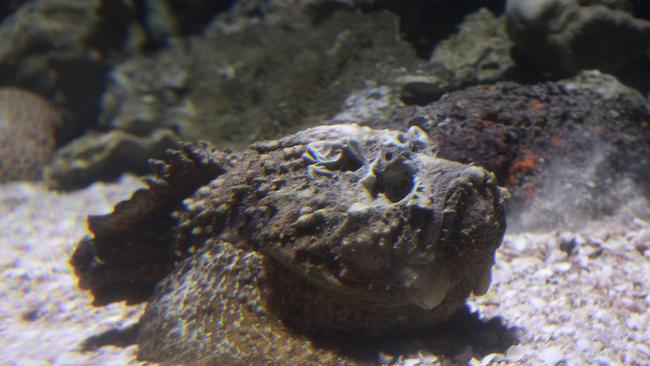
x: 569, y: 297
x: 44, y: 319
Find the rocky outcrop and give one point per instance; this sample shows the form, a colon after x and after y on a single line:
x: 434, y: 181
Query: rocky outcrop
x: 560, y: 38
x: 580, y: 146
x: 62, y: 49
x: 105, y: 156
x: 249, y: 92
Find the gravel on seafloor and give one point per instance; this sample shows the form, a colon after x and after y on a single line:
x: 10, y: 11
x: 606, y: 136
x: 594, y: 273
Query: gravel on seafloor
x: 44, y: 318
x: 576, y: 298
x: 570, y: 297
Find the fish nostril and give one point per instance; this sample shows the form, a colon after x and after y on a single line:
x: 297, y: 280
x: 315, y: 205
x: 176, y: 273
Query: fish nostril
x: 391, y: 175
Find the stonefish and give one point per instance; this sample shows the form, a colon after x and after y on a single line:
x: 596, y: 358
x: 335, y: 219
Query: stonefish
x: 253, y: 257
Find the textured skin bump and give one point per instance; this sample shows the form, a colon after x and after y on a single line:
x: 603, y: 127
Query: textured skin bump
x: 27, y: 134
x: 333, y: 231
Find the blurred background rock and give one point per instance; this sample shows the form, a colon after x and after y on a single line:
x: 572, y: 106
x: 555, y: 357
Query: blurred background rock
x: 132, y: 77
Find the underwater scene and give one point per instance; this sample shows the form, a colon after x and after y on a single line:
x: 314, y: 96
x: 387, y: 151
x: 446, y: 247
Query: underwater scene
x: 324, y: 182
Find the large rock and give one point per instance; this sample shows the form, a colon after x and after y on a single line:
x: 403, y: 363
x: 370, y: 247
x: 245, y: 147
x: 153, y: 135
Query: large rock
x: 479, y: 52
x: 576, y: 149
x: 263, y: 69
x: 62, y: 49
x: 265, y: 80
x: 561, y: 37
x: 260, y: 82
x: 105, y: 156
x: 27, y: 134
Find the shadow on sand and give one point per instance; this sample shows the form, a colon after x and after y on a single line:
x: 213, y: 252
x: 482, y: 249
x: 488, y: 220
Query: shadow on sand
x: 463, y: 337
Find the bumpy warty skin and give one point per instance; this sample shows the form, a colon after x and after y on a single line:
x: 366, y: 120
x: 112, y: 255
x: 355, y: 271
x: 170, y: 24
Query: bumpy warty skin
x: 335, y: 230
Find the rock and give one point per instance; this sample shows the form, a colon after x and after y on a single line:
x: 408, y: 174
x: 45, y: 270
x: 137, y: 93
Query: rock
x: 176, y: 18
x: 304, y: 74
x: 606, y: 86
x: 423, y: 89
x: 561, y: 37
x: 145, y: 94
x: 580, y: 148
x: 289, y: 65
x: 425, y: 23
x: 550, y: 356
x: 334, y: 231
x: 296, y: 14
x: 261, y: 82
x: 374, y: 103
x: 27, y: 134
x: 106, y: 156
x: 62, y: 49
x: 272, y: 75
x: 479, y: 52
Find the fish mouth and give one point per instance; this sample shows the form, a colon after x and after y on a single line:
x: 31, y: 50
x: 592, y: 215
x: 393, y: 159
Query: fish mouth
x: 467, y: 238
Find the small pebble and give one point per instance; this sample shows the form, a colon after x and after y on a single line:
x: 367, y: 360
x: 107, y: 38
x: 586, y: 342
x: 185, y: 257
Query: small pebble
x: 643, y: 348
x: 492, y: 357
x: 385, y: 358
x: 411, y: 362
x: 562, y: 267
x: 636, y: 322
x: 516, y: 353
x: 427, y: 358
x: 551, y: 355
x: 538, y: 303
x: 568, y: 246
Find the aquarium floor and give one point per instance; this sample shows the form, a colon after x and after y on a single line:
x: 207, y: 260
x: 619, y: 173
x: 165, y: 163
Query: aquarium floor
x: 560, y: 297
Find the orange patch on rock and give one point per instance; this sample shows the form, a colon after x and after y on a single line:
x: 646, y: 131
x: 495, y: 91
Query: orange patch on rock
x: 536, y: 104
x: 557, y: 141
x: 523, y: 166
